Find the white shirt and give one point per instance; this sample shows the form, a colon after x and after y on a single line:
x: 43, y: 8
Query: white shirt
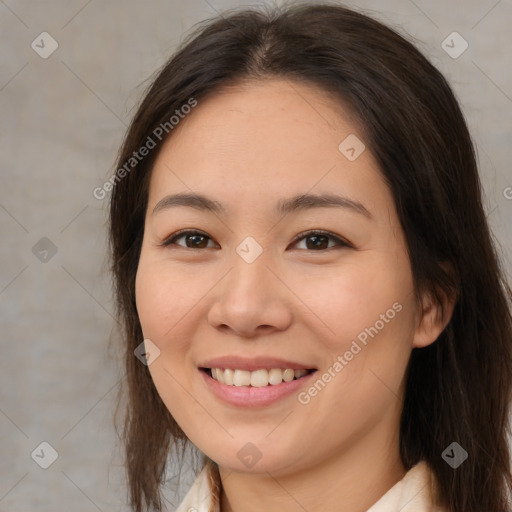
x: 414, y: 493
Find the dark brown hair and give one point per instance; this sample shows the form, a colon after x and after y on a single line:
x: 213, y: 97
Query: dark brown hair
x: 458, y: 388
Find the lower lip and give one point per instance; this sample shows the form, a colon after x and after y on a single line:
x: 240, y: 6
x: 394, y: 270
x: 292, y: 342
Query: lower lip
x: 248, y: 396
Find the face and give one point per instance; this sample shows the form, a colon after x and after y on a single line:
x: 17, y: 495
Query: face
x: 267, y: 289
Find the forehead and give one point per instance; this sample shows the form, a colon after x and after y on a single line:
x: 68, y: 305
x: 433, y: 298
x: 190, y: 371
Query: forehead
x: 257, y: 139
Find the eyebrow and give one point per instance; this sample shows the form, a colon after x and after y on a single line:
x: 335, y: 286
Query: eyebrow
x: 283, y: 206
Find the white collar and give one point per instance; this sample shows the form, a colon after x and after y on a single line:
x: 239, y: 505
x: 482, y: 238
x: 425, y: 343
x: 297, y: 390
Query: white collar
x: 414, y: 493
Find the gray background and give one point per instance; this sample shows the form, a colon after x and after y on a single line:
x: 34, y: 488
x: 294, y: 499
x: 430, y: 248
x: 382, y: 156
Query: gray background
x: 62, y: 120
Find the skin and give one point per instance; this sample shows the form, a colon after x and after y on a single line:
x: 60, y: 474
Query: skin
x: 247, y: 147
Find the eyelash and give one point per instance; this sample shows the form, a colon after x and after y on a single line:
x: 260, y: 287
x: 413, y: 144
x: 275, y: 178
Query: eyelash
x: 305, y: 234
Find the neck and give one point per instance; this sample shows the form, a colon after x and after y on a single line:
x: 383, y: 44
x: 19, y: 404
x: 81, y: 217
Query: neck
x: 357, y: 477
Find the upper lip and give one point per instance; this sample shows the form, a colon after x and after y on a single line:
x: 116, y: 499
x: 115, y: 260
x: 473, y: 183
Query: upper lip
x: 253, y: 363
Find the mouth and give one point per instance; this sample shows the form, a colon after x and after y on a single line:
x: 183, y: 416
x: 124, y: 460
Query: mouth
x: 260, y: 378
x: 258, y: 381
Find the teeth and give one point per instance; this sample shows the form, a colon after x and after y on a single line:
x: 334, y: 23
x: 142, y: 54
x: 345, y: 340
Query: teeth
x: 219, y: 375
x: 241, y: 378
x: 258, y: 378
x: 300, y: 373
x: 228, y: 376
x: 288, y: 375
x: 275, y: 376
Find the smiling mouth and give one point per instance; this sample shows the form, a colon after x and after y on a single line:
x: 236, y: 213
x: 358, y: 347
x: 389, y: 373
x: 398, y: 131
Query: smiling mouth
x: 258, y: 378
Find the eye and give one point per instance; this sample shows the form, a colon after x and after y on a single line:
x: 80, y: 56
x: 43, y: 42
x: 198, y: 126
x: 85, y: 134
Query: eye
x: 320, y: 240
x: 195, y: 239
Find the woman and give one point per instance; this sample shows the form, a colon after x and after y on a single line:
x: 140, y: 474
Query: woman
x: 297, y: 235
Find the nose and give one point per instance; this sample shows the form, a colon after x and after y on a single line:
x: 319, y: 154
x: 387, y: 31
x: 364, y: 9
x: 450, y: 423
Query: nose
x: 251, y: 299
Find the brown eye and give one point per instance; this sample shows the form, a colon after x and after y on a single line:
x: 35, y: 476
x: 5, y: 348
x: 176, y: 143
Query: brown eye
x: 315, y: 240
x: 193, y: 239
x: 319, y: 240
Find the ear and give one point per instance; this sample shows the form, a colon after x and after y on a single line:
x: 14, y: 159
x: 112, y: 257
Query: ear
x: 435, y: 315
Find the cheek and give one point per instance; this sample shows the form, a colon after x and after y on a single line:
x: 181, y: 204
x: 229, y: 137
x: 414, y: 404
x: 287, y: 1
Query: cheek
x: 170, y: 302
x: 150, y: 298
x: 373, y: 317
x: 158, y: 307
x: 370, y: 313
x: 163, y: 296
x: 356, y: 299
